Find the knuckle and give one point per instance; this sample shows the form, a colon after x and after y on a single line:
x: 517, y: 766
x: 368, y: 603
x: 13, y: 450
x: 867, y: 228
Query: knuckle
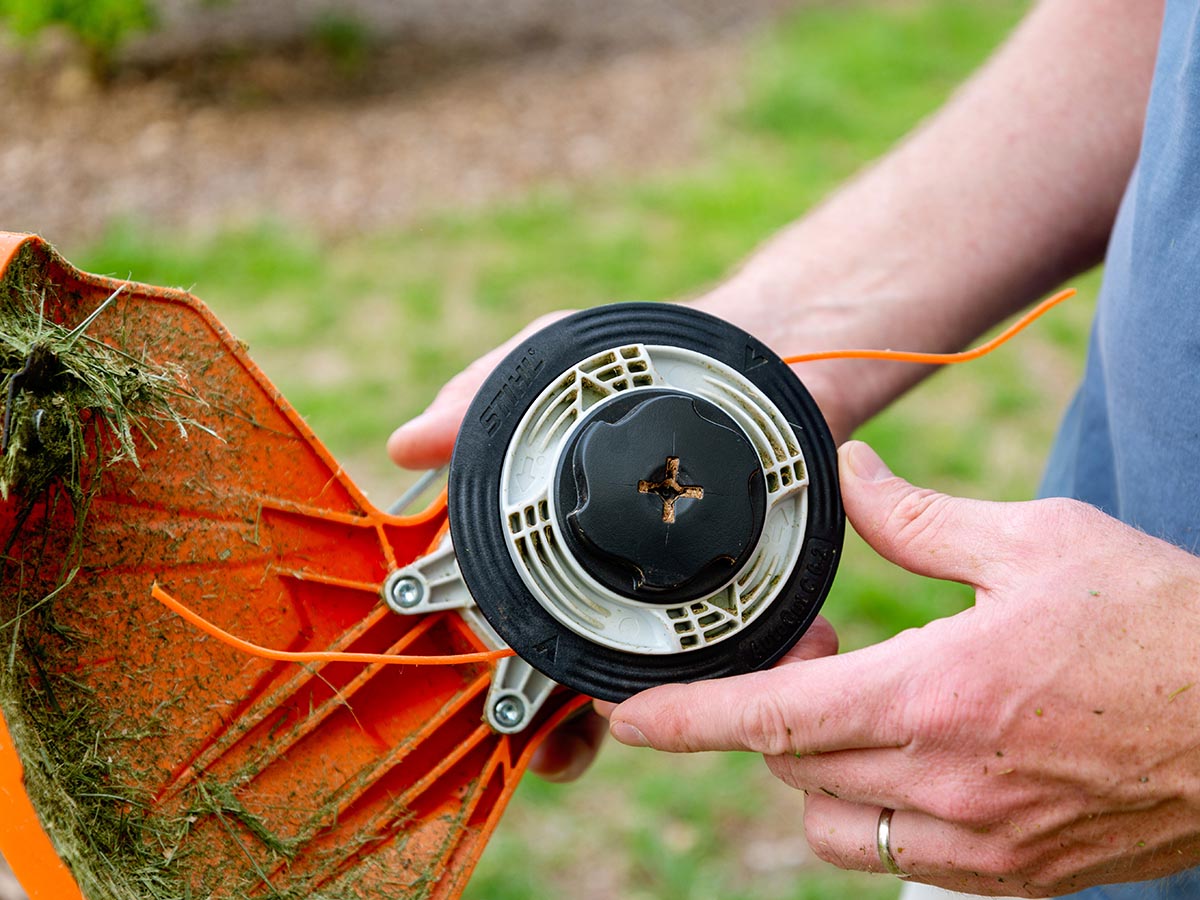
x: 933, y: 725
x: 995, y: 861
x: 965, y: 807
x: 673, y: 730
x: 823, y: 841
x: 1060, y: 516
x: 825, y: 851
x: 543, y: 321
x: 546, y: 319
x: 762, y: 724
x: 782, y: 766
x: 833, y: 841
x: 1050, y: 528
x: 823, y: 636
x: 943, y: 709
x: 476, y: 371
x: 917, y: 516
x: 461, y: 388
x: 1064, y: 509
x: 1055, y: 872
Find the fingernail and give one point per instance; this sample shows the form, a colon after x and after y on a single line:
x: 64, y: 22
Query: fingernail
x: 866, y: 464
x: 629, y: 734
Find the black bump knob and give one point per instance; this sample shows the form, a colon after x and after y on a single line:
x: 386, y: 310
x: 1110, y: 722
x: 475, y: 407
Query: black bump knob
x: 660, y: 496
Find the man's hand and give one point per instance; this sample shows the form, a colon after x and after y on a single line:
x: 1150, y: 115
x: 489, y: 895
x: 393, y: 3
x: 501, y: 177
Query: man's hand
x: 427, y: 441
x: 1041, y: 742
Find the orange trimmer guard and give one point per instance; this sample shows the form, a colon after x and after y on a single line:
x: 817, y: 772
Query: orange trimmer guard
x: 140, y: 758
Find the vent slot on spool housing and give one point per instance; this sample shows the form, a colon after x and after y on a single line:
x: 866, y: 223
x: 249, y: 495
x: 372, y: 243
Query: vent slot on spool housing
x: 556, y: 578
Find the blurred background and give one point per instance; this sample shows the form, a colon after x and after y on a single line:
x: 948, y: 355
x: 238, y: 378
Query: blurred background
x: 373, y: 193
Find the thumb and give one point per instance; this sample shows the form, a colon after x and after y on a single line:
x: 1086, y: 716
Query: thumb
x: 922, y: 530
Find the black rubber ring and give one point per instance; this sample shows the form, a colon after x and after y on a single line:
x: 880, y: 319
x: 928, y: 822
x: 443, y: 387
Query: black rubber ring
x: 481, y: 540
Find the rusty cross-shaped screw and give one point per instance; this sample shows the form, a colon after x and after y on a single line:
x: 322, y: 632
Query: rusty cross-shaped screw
x: 670, y: 490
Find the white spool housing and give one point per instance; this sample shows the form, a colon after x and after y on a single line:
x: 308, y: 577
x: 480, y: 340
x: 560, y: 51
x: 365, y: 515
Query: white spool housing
x: 557, y: 580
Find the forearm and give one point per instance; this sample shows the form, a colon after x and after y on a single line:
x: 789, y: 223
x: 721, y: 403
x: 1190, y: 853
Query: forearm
x: 1011, y: 188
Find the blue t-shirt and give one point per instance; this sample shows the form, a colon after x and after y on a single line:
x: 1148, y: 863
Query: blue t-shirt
x: 1130, y: 441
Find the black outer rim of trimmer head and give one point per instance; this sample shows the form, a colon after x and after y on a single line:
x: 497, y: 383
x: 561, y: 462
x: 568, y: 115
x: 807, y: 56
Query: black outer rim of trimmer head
x: 481, y: 543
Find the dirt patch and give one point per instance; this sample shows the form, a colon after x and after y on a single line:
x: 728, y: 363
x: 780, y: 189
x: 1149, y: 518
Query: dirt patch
x: 190, y: 26
x: 364, y: 134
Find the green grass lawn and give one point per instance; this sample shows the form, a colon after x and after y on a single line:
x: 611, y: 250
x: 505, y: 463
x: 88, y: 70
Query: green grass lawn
x: 359, y: 334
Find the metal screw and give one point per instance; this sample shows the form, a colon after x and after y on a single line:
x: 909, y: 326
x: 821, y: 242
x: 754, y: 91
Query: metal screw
x: 405, y: 593
x: 509, y: 711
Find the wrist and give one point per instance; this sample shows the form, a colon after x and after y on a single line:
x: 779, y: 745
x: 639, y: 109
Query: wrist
x: 792, y: 318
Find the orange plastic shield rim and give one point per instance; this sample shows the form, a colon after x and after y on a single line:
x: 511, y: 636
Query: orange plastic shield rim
x: 454, y: 844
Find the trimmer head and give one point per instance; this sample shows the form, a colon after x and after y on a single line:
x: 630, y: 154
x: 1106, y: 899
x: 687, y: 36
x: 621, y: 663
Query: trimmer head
x: 642, y: 494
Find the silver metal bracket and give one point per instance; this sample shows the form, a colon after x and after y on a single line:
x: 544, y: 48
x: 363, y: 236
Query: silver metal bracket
x: 434, y: 583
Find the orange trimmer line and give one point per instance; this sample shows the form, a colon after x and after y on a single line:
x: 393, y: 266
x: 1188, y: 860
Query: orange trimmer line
x: 319, y: 655
x: 942, y: 359
x: 491, y: 655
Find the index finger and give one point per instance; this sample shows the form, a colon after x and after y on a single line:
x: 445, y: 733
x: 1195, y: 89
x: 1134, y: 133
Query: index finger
x: 814, y: 706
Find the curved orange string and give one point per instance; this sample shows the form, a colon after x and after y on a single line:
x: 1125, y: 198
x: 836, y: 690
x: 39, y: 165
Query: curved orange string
x: 244, y: 646
x: 942, y: 359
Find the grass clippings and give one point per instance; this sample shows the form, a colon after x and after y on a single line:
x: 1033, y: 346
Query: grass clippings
x: 59, y: 383
x: 73, y: 407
